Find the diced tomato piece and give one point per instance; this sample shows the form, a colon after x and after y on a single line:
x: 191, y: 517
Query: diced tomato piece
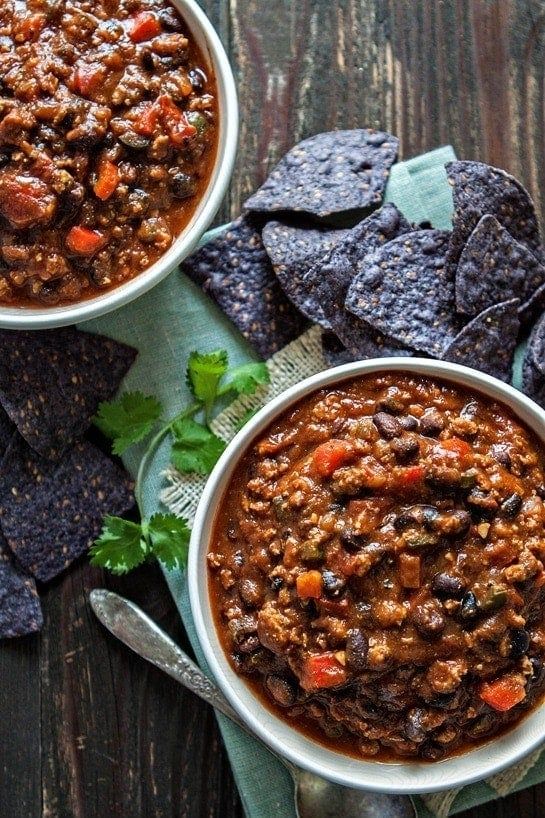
x: 309, y: 585
x: 88, y: 78
x: 108, y: 180
x: 85, y: 242
x: 25, y: 201
x: 501, y: 553
x: 174, y: 120
x: 411, y: 475
x: 504, y: 693
x: 409, y: 570
x: 456, y: 446
x: 331, y: 455
x: 144, y: 26
x: 31, y: 27
x: 147, y: 119
x: 322, y: 670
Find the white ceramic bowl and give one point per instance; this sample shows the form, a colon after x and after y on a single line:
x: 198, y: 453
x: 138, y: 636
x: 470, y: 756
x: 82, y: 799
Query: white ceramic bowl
x: 208, y: 41
x: 413, y: 777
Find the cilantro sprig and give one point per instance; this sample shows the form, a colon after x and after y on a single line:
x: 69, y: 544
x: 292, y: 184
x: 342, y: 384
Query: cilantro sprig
x: 133, y: 418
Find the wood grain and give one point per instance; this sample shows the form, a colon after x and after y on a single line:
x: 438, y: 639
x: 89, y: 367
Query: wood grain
x: 88, y: 730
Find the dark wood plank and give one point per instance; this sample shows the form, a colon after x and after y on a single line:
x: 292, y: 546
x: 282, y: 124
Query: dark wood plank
x: 20, y: 749
x: 87, y: 729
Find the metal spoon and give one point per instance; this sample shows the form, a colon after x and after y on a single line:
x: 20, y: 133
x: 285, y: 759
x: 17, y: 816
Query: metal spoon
x: 314, y: 796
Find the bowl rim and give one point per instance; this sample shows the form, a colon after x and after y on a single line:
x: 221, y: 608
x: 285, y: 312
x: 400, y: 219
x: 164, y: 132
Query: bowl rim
x: 397, y: 777
x: 24, y: 318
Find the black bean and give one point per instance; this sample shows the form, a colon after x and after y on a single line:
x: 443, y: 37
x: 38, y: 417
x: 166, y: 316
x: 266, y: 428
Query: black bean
x: 409, y: 423
x: 431, y: 751
x: 134, y: 141
x: 388, y: 426
x: 4, y: 159
x: 448, y: 586
x: 469, y: 609
x: 413, y: 726
x: 170, y: 19
x: 249, y: 644
x: 405, y: 448
x: 482, y: 726
x: 357, y: 647
x: 276, y: 583
x: 511, y: 506
x: 404, y: 520
x: 391, y: 404
x: 520, y: 642
x: 482, y: 504
x: 281, y: 689
x: 183, y: 185
x: 540, y: 491
x: 431, y: 424
x: 470, y: 410
x: 428, y: 619
x: 500, y: 453
x: 333, y: 584
x: 352, y: 541
x: 241, y: 627
x: 198, y: 80
x: 538, y: 671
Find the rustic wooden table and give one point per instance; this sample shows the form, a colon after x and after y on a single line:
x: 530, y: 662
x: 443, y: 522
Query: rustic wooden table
x: 86, y: 729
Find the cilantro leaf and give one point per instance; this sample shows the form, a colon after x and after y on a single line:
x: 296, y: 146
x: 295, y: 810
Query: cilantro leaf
x: 120, y: 547
x: 245, y: 379
x: 204, y: 373
x: 195, y: 448
x: 128, y: 419
x: 245, y: 418
x: 169, y: 537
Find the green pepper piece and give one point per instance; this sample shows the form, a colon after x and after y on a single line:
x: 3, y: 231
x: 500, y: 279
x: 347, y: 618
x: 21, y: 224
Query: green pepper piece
x: 198, y: 121
x: 310, y: 552
x: 468, y: 480
x: 424, y: 540
x: 280, y: 508
x: 495, y: 598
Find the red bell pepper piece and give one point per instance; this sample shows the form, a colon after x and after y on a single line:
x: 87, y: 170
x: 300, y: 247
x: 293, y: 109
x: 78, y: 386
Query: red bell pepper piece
x: 455, y: 446
x: 144, y: 26
x: 108, y: 180
x: 309, y: 585
x: 174, y: 120
x: 504, y: 693
x: 85, y: 242
x: 322, y: 670
x: 331, y: 455
x: 88, y: 78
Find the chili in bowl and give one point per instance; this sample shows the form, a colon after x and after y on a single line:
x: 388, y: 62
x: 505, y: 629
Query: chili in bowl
x: 118, y: 129
x: 366, y: 574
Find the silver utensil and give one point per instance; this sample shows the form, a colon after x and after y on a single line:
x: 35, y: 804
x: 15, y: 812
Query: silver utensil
x: 314, y: 796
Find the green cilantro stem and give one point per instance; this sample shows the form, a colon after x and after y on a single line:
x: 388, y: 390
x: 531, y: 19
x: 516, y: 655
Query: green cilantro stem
x: 152, y: 447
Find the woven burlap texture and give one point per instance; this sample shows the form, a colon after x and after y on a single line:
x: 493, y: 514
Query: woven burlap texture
x: 300, y: 359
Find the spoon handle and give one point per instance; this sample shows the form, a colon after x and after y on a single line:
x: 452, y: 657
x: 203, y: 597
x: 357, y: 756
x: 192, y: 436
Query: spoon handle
x: 140, y: 633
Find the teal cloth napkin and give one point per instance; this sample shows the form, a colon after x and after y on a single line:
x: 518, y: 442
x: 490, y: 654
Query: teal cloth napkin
x: 165, y: 325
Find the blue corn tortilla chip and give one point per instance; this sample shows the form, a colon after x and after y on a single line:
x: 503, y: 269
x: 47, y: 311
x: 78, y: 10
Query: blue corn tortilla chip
x: 293, y: 251
x: 333, y: 350
x: 50, y: 513
x: 20, y: 610
x: 329, y: 173
x: 535, y: 348
x: 488, y: 342
x: 533, y: 381
x: 479, y: 189
x: 52, y: 382
x: 404, y: 290
x: 235, y: 270
x: 493, y: 268
x: 328, y: 282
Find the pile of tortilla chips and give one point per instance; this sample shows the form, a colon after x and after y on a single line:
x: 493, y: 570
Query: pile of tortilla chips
x: 55, y: 486
x: 382, y: 286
